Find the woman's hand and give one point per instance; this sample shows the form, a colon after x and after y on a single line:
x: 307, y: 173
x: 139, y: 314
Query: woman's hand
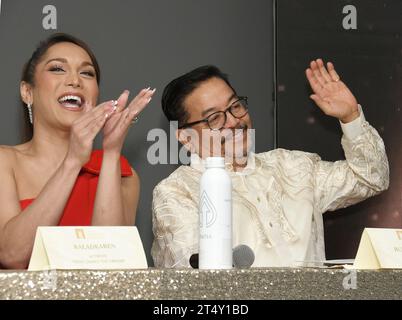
x: 330, y: 93
x: 84, y: 131
x: 116, y: 127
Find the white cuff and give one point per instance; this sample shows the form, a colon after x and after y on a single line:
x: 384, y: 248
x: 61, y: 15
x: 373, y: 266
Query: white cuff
x: 354, y: 128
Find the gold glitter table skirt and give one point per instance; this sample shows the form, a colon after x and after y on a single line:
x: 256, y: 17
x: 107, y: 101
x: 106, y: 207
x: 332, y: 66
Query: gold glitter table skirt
x: 267, y: 283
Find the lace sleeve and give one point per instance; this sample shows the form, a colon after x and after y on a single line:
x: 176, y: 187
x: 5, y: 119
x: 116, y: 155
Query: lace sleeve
x: 363, y: 174
x: 175, y: 225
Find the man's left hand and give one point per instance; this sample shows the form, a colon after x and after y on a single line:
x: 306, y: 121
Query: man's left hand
x: 330, y: 93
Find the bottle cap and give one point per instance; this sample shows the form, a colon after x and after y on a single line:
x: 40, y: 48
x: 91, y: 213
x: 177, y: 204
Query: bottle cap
x: 215, y: 162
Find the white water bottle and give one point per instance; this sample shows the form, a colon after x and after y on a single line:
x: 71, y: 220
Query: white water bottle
x: 215, y: 237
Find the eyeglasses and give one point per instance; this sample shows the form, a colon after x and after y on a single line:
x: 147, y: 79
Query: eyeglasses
x: 217, y: 120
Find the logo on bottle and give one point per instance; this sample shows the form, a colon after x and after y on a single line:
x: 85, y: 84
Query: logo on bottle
x: 208, y: 211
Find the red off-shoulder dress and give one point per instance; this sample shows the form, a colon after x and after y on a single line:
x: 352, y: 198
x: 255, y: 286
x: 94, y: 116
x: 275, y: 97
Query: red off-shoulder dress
x: 79, y: 208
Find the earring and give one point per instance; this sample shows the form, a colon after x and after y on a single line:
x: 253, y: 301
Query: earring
x: 29, y: 107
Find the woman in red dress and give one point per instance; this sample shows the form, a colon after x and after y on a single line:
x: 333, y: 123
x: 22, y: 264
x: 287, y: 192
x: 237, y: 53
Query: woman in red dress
x: 56, y: 178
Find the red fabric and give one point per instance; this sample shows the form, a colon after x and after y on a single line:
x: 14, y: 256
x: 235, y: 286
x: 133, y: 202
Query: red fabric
x: 79, y: 208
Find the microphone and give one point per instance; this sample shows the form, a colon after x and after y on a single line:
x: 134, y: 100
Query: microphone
x: 243, y: 257
x: 194, y: 261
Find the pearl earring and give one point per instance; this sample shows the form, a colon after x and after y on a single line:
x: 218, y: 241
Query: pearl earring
x: 29, y: 107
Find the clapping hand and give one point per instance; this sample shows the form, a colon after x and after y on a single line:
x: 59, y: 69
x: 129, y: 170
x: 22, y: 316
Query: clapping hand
x: 116, y: 127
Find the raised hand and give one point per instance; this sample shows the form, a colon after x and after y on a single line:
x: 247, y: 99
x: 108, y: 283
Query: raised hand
x: 331, y: 95
x: 85, y: 129
x: 116, y: 127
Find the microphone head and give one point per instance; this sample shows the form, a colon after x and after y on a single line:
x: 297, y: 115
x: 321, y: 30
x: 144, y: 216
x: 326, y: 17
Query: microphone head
x: 194, y: 261
x: 243, y: 256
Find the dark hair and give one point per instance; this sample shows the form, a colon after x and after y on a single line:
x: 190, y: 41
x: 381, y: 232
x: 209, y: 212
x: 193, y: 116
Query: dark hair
x: 178, y: 89
x: 28, y: 71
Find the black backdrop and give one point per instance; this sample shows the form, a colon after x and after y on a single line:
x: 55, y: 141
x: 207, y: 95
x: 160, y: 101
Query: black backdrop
x: 369, y: 60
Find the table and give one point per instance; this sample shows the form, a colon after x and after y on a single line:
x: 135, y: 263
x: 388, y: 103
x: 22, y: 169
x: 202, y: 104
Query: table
x: 161, y: 284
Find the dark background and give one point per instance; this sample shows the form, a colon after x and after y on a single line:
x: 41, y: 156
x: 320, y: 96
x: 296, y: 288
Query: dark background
x: 368, y: 60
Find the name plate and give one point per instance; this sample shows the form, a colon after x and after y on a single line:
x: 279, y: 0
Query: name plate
x: 379, y: 249
x: 87, y: 248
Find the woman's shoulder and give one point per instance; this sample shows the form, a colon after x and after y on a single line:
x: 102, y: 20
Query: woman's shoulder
x: 9, y: 154
x: 7, y: 161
